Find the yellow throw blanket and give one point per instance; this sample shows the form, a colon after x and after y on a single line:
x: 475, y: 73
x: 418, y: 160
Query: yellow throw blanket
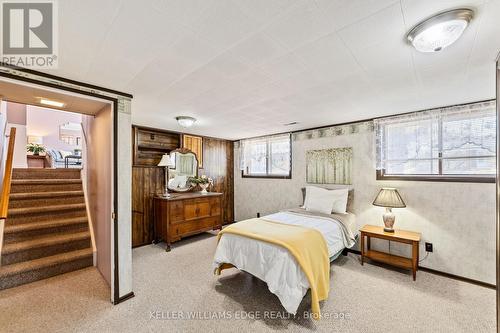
x: 307, y: 246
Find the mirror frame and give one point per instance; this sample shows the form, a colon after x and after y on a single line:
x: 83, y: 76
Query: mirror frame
x: 184, y: 151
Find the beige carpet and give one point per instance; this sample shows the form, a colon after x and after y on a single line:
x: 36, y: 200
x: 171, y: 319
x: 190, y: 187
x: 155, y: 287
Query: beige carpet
x: 362, y: 299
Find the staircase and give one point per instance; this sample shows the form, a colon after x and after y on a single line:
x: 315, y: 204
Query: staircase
x: 46, y: 232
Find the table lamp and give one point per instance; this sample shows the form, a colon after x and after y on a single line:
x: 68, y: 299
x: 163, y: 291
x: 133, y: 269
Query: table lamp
x: 389, y: 198
x: 166, y: 162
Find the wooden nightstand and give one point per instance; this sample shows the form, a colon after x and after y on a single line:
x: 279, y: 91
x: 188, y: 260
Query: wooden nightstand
x: 400, y: 236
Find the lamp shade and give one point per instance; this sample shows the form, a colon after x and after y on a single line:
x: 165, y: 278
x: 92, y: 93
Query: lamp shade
x: 165, y: 161
x: 389, y: 197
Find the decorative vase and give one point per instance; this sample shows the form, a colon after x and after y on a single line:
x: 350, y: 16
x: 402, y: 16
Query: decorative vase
x: 204, y: 188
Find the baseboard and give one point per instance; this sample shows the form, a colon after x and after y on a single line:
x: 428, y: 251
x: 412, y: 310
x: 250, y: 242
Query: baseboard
x: 124, y: 298
x: 457, y: 277
x: 444, y: 274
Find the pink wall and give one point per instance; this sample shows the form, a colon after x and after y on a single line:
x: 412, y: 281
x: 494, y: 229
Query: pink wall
x: 99, y: 174
x: 16, y: 117
x: 45, y: 122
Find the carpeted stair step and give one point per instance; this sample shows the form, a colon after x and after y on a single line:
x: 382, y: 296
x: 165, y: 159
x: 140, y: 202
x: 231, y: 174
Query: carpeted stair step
x: 44, y: 246
x: 34, y: 173
x: 26, y: 231
x: 45, y: 213
x: 20, y: 200
x: 45, y: 185
x: 38, y: 269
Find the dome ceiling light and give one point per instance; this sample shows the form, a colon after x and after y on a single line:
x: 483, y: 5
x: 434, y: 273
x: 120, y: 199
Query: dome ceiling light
x: 185, y: 121
x: 440, y: 30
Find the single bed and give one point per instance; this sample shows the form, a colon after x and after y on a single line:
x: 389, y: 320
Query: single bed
x: 274, y: 264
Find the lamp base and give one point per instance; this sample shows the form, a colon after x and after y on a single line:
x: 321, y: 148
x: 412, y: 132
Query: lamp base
x: 389, y: 220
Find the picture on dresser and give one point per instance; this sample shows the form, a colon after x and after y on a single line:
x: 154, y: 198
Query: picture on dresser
x: 329, y: 166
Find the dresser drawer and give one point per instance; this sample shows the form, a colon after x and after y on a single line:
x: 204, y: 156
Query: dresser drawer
x: 195, y: 226
x: 215, y: 207
x: 176, y: 211
x: 198, y: 208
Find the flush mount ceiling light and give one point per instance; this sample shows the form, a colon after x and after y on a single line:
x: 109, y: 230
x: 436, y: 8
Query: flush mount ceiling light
x: 440, y: 31
x: 185, y: 121
x: 49, y: 102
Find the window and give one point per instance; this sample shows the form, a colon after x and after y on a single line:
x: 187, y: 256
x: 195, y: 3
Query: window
x: 448, y: 144
x: 266, y: 157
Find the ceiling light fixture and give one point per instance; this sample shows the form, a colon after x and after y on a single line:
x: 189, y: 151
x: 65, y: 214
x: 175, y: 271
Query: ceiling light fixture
x: 185, y: 121
x: 49, y: 102
x: 440, y: 30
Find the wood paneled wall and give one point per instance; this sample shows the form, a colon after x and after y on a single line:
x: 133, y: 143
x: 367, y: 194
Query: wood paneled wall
x: 147, y: 181
x: 218, y: 164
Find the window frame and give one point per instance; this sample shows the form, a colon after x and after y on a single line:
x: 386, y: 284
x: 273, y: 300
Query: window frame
x: 271, y: 176
x: 459, y: 178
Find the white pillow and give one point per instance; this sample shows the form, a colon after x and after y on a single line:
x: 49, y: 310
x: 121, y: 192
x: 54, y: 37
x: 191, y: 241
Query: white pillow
x: 178, y: 182
x: 319, y: 200
x: 326, y: 201
x: 340, y: 200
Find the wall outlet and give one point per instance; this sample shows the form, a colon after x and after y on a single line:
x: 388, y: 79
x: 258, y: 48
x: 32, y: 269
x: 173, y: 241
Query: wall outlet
x: 428, y: 247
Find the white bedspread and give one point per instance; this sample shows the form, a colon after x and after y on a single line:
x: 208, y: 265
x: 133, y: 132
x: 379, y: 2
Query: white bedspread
x: 274, y: 264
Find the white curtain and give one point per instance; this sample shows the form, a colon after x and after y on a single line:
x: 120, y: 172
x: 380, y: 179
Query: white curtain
x: 450, y: 140
x: 268, y: 154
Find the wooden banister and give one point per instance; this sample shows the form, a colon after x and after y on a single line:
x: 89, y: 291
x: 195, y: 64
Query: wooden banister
x: 4, y: 195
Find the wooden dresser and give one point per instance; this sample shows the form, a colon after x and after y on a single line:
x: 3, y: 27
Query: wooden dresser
x: 185, y: 214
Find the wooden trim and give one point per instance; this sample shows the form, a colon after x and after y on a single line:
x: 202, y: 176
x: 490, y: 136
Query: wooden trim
x: 497, y: 231
x: 62, y: 79
x: 116, y: 280
x: 124, y: 298
x: 380, y: 175
x: 148, y: 128
x: 7, y: 177
x: 457, y: 277
x: 448, y: 275
x: 265, y: 177
x: 56, y: 87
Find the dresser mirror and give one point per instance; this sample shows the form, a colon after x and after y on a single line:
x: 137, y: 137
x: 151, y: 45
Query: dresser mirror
x: 185, y: 165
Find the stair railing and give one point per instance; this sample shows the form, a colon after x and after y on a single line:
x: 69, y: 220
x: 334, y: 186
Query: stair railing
x: 85, y: 195
x: 6, y: 181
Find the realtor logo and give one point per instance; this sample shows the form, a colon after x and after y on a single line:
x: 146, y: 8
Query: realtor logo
x: 29, y: 33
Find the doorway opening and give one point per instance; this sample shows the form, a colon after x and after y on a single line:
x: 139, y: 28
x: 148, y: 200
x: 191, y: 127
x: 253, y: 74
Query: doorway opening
x: 61, y: 205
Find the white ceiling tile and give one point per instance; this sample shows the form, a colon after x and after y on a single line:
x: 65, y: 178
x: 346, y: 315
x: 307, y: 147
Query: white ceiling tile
x: 263, y: 11
x: 302, y: 24
x: 80, y: 44
x: 381, y: 27
x: 341, y: 13
x: 283, y: 67
x: 487, y: 44
x: 245, y: 68
x: 258, y: 49
x: 375, y: 59
x: 224, y: 24
x: 328, y: 58
x: 177, y: 61
x: 184, y: 12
